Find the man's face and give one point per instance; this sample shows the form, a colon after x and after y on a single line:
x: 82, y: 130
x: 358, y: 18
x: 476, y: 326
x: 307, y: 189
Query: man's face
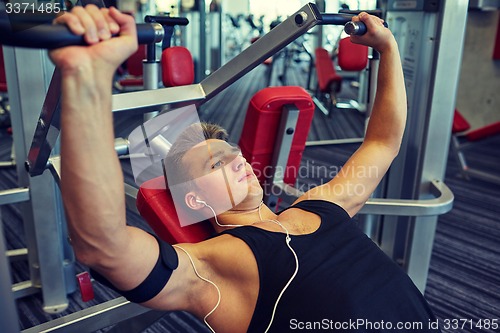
x: 221, y: 175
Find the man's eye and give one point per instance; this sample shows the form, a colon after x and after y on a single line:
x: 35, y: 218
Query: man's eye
x: 217, y: 164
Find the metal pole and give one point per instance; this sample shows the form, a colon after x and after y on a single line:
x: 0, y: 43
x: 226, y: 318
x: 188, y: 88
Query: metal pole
x: 431, y: 74
x: 8, y: 313
x: 202, y: 61
x: 448, y: 60
x: 43, y: 216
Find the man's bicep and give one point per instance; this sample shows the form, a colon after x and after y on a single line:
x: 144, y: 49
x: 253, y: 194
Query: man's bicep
x: 150, y: 272
x: 133, y: 256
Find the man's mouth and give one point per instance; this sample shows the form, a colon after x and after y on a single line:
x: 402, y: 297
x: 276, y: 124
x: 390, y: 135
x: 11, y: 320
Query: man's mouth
x: 248, y: 175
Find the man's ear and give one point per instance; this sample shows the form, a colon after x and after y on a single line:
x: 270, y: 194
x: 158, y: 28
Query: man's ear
x: 193, y: 202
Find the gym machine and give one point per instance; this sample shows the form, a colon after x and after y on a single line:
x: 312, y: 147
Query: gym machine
x: 39, y: 157
x: 430, y: 36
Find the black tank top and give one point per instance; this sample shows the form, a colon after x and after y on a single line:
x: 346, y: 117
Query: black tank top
x: 344, y: 283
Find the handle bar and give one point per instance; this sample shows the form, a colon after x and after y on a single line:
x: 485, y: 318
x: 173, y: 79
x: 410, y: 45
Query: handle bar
x: 357, y: 28
x: 48, y: 36
x: 166, y: 20
x: 335, y: 19
x: 350, y: 28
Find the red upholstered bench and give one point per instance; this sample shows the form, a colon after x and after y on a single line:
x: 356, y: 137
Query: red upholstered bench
x: 260, y: 130
x: 461, y: 125
x: 154, y: 201
x: 3, y: 83
x: 352, y: 57
x: 177, y: 66
x: 484, y: 132
x: 328, y: 79
x: 134, y: 69
x: 3, y: 79
x: 460, y: 131
x: 155, y: 204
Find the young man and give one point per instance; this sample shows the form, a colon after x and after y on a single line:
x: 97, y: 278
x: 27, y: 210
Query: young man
x: 308, y: 267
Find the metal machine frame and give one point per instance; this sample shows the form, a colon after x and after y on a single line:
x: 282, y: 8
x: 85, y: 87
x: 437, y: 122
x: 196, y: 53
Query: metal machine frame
x: 48, y: 227
x: 430, y: 35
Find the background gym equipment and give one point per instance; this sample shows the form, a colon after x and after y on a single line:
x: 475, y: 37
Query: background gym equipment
x: 47, y: 131
x: 144, y: 62
x: 463, y: 139
x: 329, y: 82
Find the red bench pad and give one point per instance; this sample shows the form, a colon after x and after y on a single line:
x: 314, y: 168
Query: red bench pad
x: 460, y: 124
x: 3, y: 79
x: 155, y: 204
x: 325, y: 71
x: 177, y: 66
x: 258, y: 138
x: 352, y: 57
x: 484, y: 132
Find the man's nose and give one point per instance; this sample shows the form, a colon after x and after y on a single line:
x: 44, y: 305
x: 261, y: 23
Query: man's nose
x: 239, y: 163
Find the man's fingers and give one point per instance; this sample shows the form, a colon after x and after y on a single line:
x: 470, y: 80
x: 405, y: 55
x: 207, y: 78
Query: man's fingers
x: 370, y: 19
x: 100, y: 22
x: 72, y: 22
x: 96, y: 24
x: 88, y: 24
x: 114, y: 28
x: 125, y: 22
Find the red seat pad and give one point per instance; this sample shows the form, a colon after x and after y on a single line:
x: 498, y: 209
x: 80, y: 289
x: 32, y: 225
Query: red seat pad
x: 459, y: 123
x: 325, y: 71
x: 155, y: 204
x: 484, y: 132
x: 134, y: 68
x: 131, y: 82
x: 258, y: 138
x: 177, y: 66
x: 134, y: 62
x: 352, y: 57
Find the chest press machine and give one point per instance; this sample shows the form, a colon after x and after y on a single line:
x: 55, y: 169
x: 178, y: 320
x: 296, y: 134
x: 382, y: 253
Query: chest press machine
x: 290, y: 109
x: 142, y: 66
x: 352, y: 58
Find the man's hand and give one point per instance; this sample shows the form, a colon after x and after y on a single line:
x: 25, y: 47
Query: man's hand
x: 104, y: 53
x: 377, y: 36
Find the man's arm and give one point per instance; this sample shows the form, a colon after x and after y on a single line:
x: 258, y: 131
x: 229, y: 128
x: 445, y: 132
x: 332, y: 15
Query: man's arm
x: 91, y: 176
x: 361, y: 174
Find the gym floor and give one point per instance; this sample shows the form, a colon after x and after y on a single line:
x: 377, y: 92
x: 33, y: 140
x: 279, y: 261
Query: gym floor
x: 465, y: 267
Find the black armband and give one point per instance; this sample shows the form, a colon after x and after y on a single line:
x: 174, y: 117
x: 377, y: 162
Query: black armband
x: 154, y: 282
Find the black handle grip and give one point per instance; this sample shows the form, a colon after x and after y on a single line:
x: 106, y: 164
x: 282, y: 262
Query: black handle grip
x: 357, y: 28
x: 350, y: 28
x: 335, y: 19
x: 166, y: 20
x: 47, y: 36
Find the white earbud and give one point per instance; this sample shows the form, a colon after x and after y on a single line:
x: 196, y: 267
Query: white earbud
x: 201, y: 201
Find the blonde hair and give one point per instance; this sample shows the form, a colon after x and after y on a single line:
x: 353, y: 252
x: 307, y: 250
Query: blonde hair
x: 175, y: 172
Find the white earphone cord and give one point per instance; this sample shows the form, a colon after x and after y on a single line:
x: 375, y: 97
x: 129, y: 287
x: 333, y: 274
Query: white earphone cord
x: 287, y: 241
